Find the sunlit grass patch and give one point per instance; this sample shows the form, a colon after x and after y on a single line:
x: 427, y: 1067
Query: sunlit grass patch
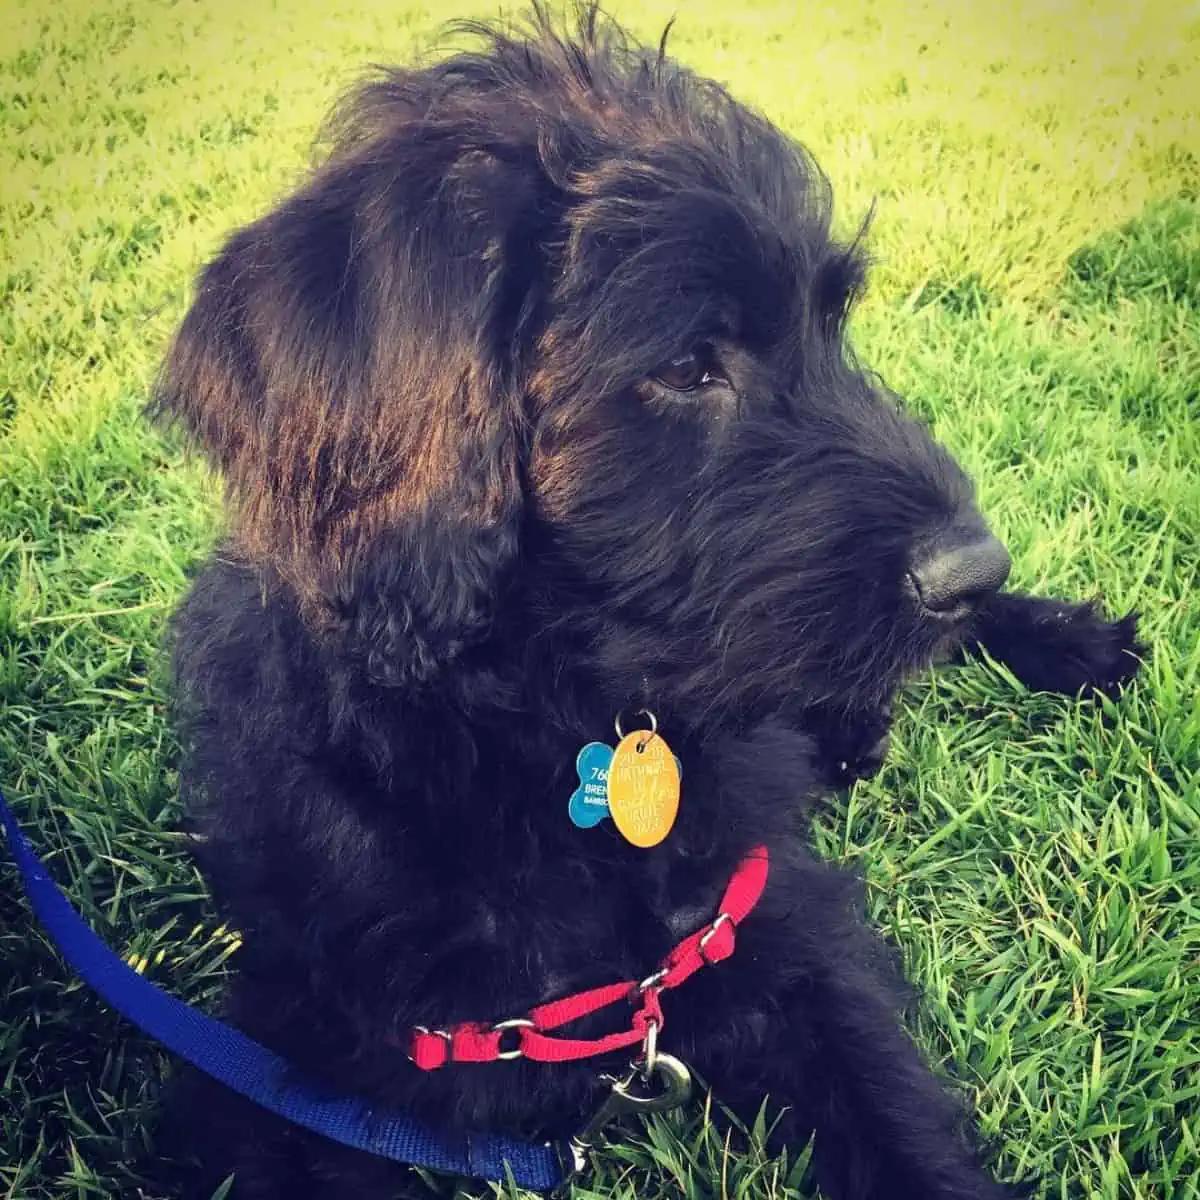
x: 1035, y: 177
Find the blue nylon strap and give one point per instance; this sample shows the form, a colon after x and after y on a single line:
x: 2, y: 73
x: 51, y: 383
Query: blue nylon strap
x: 254, y: 1071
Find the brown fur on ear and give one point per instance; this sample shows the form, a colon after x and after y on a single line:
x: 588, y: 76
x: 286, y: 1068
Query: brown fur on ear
x: 351, y: 364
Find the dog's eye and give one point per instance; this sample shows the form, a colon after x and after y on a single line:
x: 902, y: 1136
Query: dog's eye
x: 687, y: 372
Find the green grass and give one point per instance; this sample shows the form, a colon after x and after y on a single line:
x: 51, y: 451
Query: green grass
x: 1037, y: 294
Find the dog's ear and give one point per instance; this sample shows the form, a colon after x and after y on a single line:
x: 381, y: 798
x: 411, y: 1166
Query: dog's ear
x: 352, y: 363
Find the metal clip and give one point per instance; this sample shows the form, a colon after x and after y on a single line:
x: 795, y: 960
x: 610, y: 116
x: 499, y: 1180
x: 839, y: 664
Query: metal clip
x: 675, y: 1083
x: 649, y: 1059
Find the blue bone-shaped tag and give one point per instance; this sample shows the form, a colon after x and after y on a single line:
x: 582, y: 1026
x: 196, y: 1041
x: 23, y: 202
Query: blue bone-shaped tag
x: 589, y: 801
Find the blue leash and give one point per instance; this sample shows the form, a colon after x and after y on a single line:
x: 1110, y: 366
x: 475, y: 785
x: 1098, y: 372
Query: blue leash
x: 254, y: 1071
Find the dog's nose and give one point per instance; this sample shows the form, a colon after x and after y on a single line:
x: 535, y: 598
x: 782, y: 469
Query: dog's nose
x: 959, y: 571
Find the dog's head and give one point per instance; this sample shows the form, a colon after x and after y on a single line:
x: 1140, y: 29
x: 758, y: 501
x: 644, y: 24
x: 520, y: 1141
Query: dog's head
x: 550, y: 353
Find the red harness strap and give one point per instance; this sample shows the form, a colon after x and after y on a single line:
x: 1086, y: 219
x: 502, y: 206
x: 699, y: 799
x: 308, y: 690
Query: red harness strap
x: 479, y: 1042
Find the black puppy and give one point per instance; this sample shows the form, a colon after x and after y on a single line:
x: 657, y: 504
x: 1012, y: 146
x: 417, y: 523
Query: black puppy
x: 535, y: 409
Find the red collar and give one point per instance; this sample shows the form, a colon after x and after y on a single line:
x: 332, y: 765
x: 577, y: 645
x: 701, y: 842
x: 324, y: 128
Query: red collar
x: 479, y: 1042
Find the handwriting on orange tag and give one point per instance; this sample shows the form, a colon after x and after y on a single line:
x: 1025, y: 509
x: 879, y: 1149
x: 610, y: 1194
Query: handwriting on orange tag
x: 643, y: 788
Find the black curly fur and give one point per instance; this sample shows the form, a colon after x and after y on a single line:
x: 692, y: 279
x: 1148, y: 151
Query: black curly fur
x: 468, y: 526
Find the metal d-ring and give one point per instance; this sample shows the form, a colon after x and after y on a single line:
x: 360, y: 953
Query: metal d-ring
x: 442, y: 1033
x: 722, y: 918
x: 512, y: 1023
x: 652, y: 981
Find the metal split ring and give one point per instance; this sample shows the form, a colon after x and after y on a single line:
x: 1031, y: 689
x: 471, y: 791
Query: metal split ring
x: 641, y: 712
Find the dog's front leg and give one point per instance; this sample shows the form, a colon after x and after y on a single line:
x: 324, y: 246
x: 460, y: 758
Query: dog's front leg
x: 1058, y: 645
x: 808, y: 1013
x: 843, y: 1069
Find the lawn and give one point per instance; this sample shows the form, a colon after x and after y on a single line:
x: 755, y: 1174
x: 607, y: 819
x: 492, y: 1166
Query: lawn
x: 1036, y: 180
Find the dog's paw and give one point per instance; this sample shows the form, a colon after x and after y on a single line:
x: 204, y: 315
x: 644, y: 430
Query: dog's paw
x: 849, y: 747
x: 1059, y: 646
x: 1117, y: 654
